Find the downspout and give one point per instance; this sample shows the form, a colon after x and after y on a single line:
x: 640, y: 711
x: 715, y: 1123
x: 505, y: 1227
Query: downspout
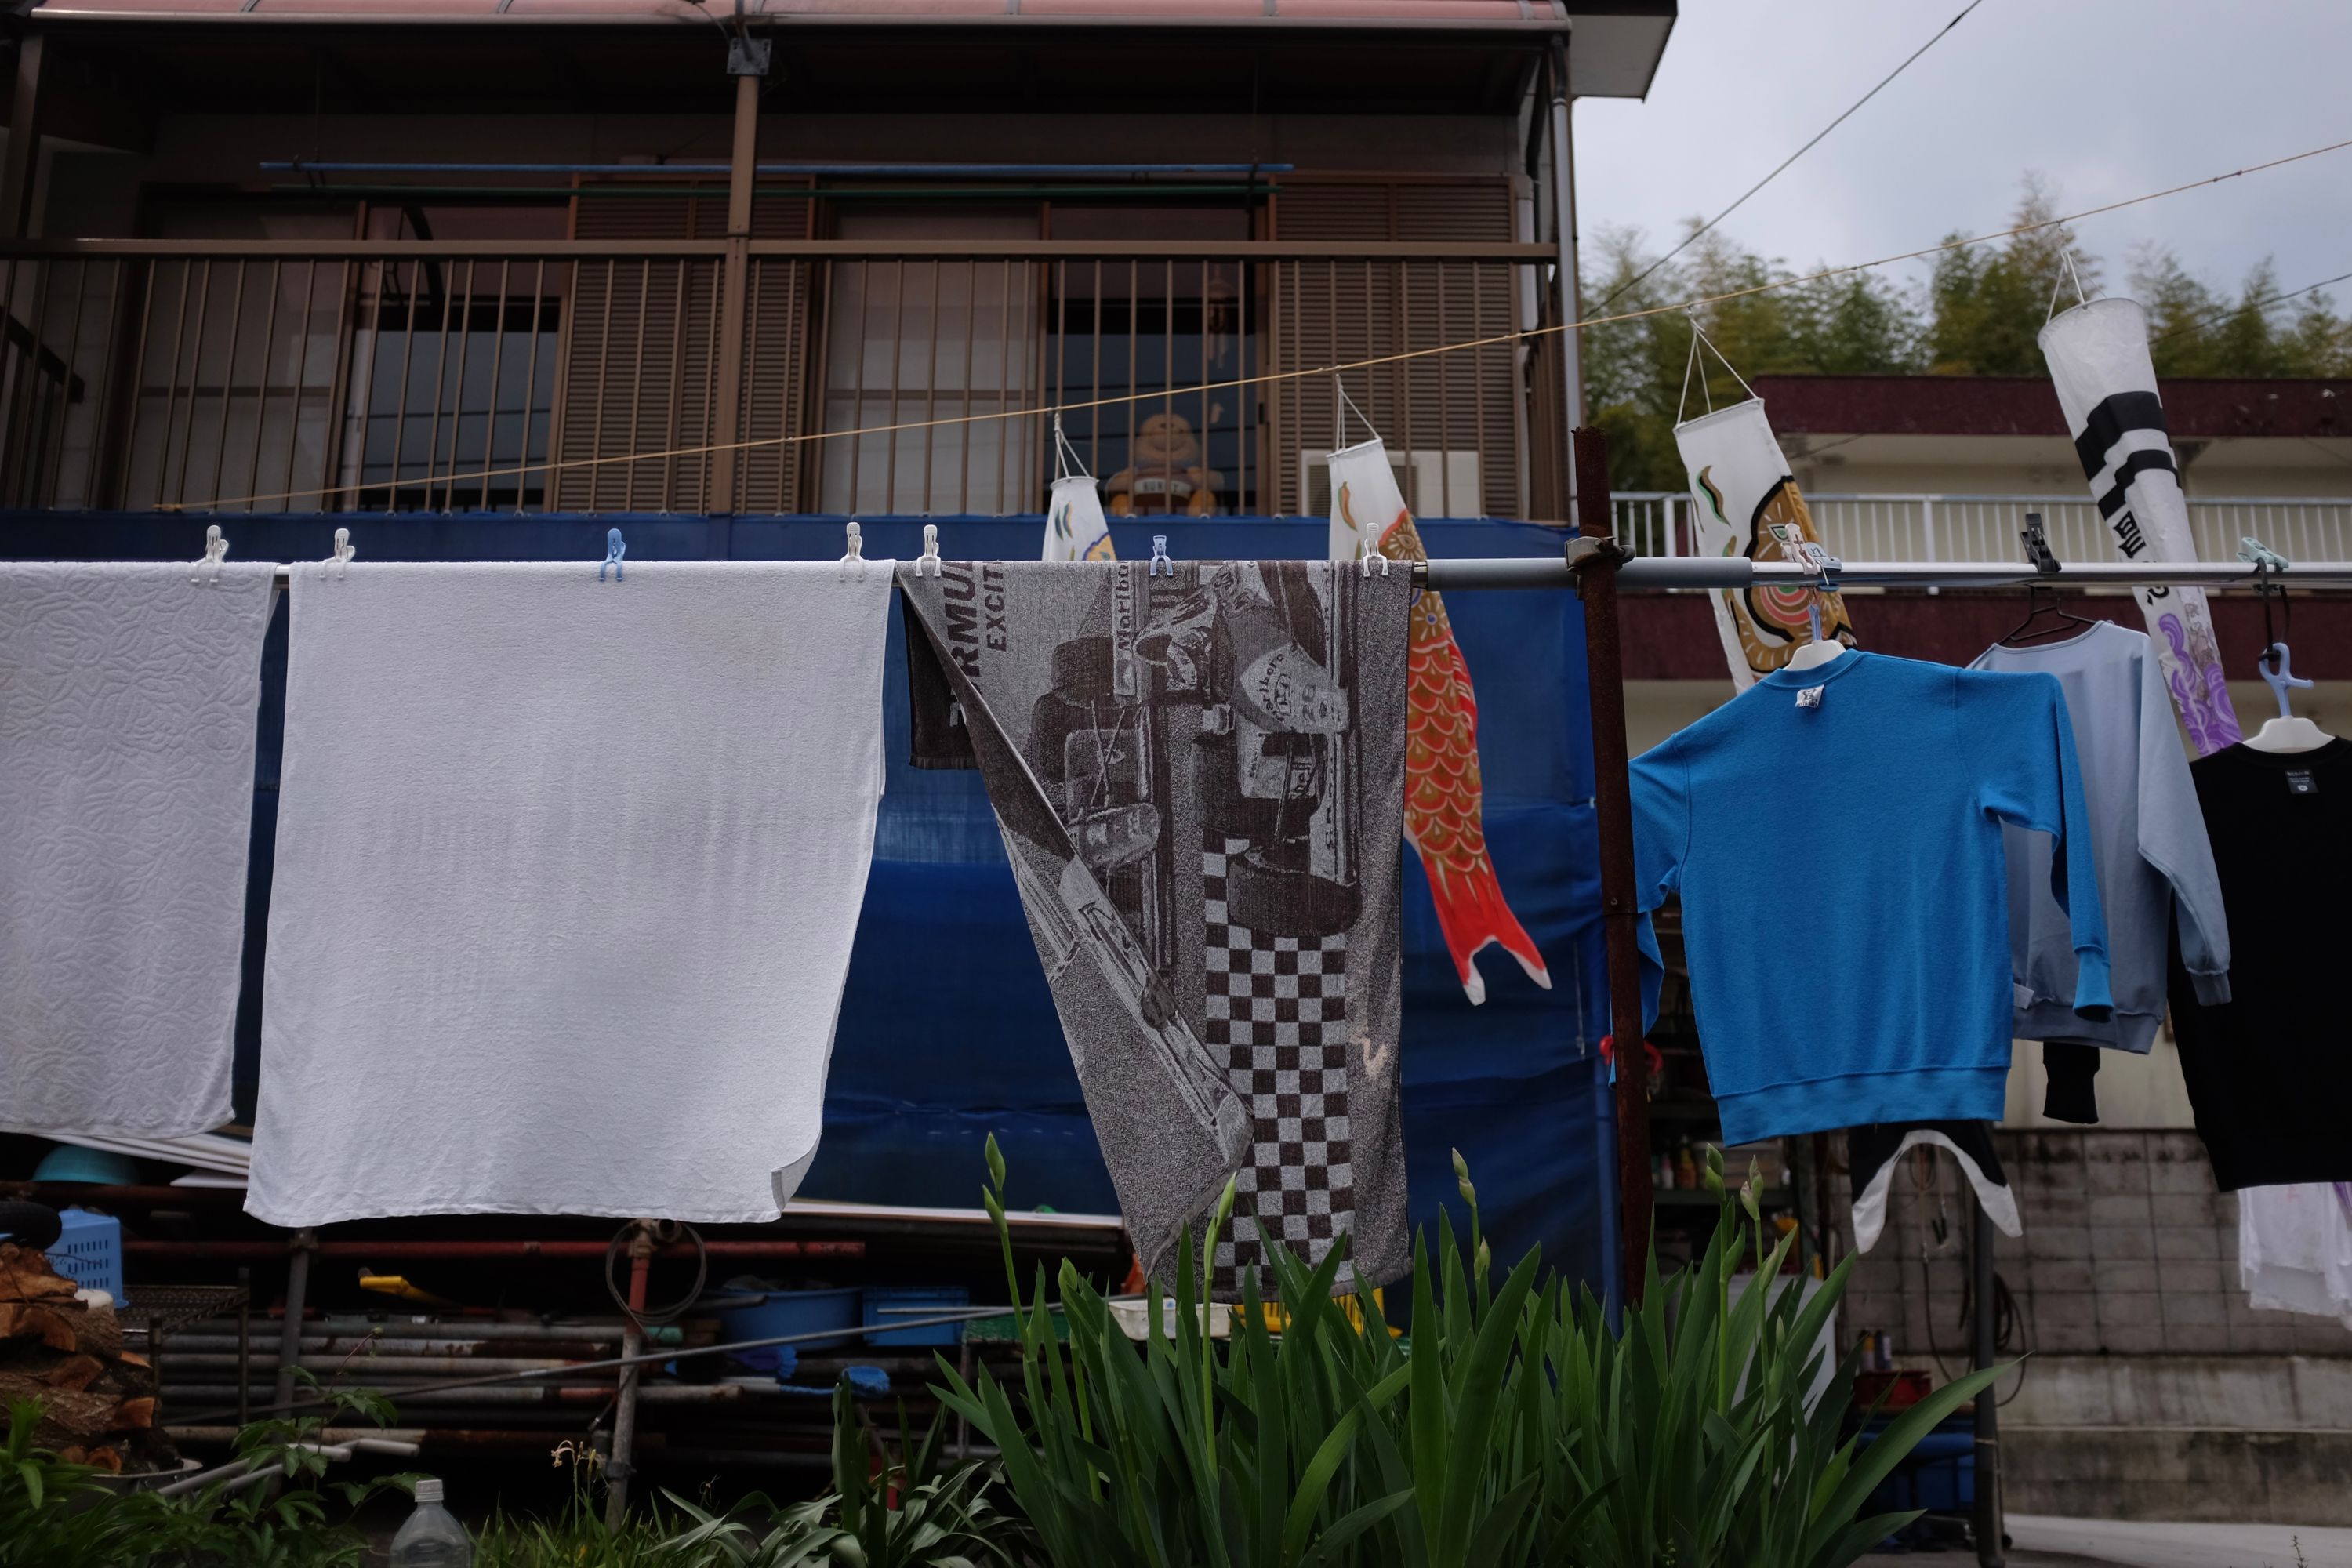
x: 1563, y: 189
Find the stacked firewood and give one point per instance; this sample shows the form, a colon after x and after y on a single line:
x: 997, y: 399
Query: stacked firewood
x: 97, y: 1399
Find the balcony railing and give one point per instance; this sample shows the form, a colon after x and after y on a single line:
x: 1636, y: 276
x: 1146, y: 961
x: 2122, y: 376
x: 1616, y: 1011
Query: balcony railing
x: 1982, y: 527
x: 842, y: 376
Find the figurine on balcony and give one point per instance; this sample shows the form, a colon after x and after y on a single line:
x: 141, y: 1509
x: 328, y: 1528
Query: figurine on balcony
x: 1166, y: 478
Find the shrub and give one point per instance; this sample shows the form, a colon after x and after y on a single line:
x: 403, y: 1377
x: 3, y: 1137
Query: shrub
x: 1516, y: 1426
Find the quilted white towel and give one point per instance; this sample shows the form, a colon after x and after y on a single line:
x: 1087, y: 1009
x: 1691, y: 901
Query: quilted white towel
x: 129, y: 695
x: 567, y: 876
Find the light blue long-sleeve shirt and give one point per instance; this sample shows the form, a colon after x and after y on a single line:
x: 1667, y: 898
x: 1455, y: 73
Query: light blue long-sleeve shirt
x: 1845, y: 901
x: 2147, y: 834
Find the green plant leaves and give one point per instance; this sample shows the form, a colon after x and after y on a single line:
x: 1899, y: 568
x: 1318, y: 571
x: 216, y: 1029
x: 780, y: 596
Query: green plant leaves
x: 1516, y: 1424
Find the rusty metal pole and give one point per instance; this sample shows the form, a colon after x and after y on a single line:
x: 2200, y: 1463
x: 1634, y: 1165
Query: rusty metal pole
x: 749, y: 68
x: 1985, y: 1519
x: 289, y: 1335
x: 624, y: 1404
x: 1612, y: 791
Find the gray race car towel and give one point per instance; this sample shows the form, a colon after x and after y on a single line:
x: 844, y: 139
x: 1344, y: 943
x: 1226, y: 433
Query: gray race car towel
x: 1200, y: 778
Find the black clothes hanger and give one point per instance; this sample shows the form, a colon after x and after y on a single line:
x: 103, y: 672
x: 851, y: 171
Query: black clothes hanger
x: 2038, y: 555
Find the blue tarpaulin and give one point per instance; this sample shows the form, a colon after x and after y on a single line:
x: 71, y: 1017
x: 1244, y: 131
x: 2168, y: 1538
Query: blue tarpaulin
x: 947, y: 1031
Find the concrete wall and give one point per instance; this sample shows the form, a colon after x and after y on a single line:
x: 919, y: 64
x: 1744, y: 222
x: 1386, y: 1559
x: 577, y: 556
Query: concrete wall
x: 2150, y: 1389
x: 2129, y: 1250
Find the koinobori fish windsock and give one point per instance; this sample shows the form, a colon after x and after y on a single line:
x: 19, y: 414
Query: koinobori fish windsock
x: 1744, y: 501
x: 1444, y: 807
x: 2099, y: 361
x: 1076, y: 528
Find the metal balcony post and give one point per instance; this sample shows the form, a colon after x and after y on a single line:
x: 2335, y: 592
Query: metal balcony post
x: 1928, y: 530
x: 734, y: 292
x: 22, y: 168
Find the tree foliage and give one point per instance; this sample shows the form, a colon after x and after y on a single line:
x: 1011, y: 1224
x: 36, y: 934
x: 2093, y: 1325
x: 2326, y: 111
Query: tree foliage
x: 1975, y: 314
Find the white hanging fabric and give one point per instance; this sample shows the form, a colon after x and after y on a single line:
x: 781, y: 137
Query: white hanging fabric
x: 1076, y: 528
x: 130, y: 697
x: 2099, y: 361
x: 567, y: 876
x: 2295, y: 1248
x: 1744, y: 501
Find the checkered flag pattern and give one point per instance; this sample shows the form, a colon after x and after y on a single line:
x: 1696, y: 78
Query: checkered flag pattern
x: 1277, y: 1010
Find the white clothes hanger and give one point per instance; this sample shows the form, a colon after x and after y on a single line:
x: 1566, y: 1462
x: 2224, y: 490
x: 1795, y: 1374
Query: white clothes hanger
x: 2287, y: 732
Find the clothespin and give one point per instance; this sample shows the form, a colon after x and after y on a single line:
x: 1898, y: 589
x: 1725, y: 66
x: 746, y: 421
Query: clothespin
x: 1826, y: 567
x: 340, y: 558
x: 1366, y: 553
x: 614, y: 552
x: 2261, y: 556
x: 854, y: 555
x: 1160, y: 566
x: 2266, y: 562
x: 930, y: 556
x: 216, y: 552
x: 2038, y: 553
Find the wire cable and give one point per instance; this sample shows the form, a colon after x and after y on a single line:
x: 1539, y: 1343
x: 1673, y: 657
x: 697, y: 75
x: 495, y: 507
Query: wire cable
x: 2223, y: 313
x: 1205, y: 389
x: 1692, y: 237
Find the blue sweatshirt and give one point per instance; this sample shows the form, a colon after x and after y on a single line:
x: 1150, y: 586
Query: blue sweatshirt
x: 1845, y: 897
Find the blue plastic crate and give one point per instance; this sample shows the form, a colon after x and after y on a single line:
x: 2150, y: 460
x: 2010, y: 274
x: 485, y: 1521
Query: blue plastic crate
x: 89, y: 1252
x: 793, y: 1312
x: 915, y: 1302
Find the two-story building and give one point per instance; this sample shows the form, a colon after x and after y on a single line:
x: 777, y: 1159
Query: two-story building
x: 788, y: 257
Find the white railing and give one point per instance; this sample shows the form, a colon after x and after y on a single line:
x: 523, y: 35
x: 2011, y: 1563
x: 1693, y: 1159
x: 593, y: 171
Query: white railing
x: 1986, y: 527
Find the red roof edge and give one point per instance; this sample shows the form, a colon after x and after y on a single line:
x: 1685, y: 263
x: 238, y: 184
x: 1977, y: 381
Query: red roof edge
x: 2197, y: 409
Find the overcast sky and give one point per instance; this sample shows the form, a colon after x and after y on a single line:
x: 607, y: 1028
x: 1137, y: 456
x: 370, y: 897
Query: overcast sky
x: 2106, y: 99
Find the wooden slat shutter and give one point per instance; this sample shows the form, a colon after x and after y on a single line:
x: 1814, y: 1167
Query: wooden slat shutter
x: 1336, y: 313
x: 776, y: 369
x: 641, y: 357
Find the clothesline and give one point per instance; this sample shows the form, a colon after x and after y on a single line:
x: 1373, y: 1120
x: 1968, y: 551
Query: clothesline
x: 1737, y: 572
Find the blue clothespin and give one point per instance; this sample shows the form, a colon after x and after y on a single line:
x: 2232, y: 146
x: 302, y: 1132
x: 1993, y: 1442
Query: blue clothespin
x: 614, y: 550
x: 1160, y: 566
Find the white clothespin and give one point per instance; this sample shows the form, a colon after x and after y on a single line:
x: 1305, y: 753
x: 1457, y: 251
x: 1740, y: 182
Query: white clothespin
x: 1366, y: 553
x: 854, y: 554
x: 614, y: 550
x: 1160, y: 566
x: 1826, y: 567
x: 216, y: 552
x: 928, y: 563
x: 340, y: 558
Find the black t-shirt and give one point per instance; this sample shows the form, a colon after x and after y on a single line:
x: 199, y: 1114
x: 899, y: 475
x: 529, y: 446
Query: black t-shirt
x: 2269, y: 1072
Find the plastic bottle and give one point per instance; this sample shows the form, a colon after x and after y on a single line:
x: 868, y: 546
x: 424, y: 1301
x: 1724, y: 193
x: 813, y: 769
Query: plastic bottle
x: 432, y: 1538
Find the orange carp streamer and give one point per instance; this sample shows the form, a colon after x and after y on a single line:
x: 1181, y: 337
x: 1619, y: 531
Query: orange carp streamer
x: 1444, y: 799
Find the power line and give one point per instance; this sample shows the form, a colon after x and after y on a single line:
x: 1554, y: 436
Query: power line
x: 1204, y: 388
x: 1692, y: 237
x: 2223, y: 314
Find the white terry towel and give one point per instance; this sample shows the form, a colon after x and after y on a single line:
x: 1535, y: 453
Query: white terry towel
x: 567, y: 876
x: 129, y: 697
